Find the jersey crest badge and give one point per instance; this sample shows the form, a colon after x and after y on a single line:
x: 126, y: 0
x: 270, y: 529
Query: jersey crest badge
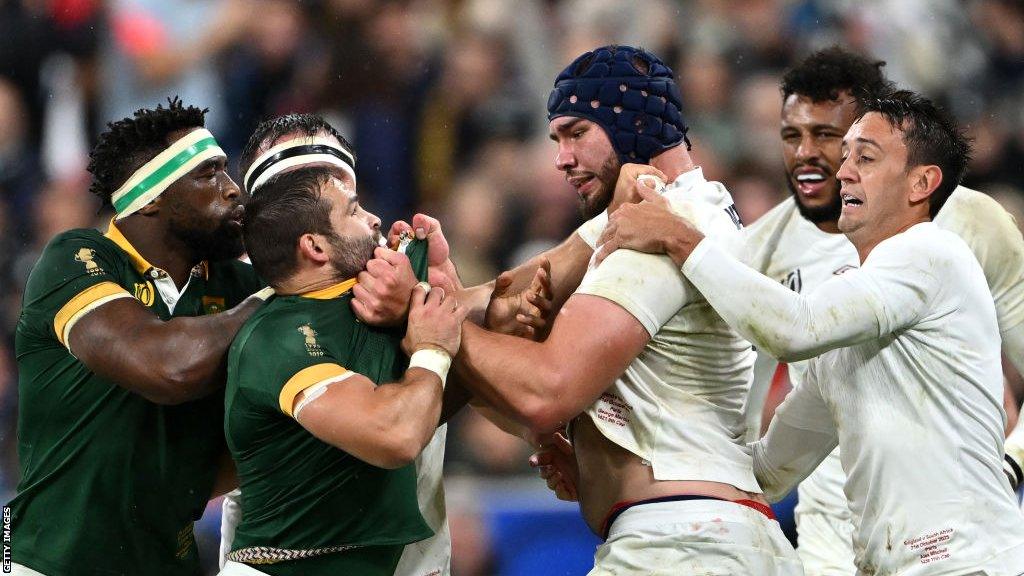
x: 86, y: 256
x: 312, y: 347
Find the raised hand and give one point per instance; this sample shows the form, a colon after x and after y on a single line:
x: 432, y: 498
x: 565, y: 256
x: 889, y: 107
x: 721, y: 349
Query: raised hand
x: 525, y: 314
x: 382, y: 293
x: 435, y: 321
x: 633, y: 180
x: 650, y: 226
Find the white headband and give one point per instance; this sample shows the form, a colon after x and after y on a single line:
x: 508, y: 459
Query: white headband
x: 297, y: 152
x: 158, y: 174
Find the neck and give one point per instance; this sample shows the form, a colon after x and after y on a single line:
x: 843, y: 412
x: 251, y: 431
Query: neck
x: 674, y: 162
x: 828, y: 226
x: 864, y: 246
x: 152, y: 239
x: 308, y: 279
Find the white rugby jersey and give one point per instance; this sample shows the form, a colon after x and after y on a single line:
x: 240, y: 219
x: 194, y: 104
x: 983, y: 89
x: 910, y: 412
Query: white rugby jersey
x: 908, y: 381
x: 679, y: 404
x: 783, y: 245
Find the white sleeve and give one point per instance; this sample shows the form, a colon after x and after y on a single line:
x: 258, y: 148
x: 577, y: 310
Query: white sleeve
x: 889, y: 292
x: 591, y: 230
x: 230, y: 518
x: 800, y: 436
x: 1013, y: 345
x: 648, y: 286
x: 761, y: 384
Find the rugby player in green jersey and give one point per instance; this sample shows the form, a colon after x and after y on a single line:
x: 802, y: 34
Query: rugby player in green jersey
x: 120, y: 348
x: 324, y: 413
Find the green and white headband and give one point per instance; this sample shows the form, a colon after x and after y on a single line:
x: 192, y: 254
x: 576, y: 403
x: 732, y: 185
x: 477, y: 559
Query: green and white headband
x: 158, y: 174
x: 298, y: 152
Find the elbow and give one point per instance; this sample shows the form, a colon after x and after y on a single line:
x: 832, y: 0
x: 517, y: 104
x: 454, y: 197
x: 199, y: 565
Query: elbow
x: 176, y: 385
x: 549, y: 410
x: 399, y: 451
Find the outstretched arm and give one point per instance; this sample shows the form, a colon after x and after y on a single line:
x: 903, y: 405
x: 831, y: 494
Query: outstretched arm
x: 850, y: 308
x: 169, y: 362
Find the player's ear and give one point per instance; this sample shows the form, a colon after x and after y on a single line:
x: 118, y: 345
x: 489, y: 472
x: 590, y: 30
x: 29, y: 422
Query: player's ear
x: 314, y: 248
x: 924, y: 180
x: 151, y: 209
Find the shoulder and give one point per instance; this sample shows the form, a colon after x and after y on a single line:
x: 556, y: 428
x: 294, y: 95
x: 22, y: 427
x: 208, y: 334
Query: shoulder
x: 236, y: 273
x: 923, y: 245
x: 978, y: 219
x: 771, y: 221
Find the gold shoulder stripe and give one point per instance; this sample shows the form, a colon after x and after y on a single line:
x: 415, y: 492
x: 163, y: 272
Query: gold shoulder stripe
x: 86, y: 301
x: 306, y: 378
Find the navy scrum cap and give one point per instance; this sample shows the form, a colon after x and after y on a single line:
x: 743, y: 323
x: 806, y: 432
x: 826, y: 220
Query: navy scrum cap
x: 630, y: 93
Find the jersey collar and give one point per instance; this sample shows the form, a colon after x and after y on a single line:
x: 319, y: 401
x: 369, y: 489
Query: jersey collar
x: 331, y: 291
x: 141, y: 264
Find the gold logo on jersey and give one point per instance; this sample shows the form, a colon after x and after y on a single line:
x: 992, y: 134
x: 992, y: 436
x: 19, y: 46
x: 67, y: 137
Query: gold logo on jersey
x: 213, y: 304
x: 145, y: 293
x: 86, y: 256
x: 312, y: 347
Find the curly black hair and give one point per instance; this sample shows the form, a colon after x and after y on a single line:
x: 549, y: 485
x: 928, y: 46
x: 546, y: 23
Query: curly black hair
x: 824, y: 74
x: 131, y: 142
x: 274, y: 128
x: 931, y: 134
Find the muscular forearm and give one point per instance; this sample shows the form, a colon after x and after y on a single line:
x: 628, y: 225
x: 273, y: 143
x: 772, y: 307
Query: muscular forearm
x: 515, y: 376
x: 170, y: 362
x: 787, y: 325
x: 404, y: 417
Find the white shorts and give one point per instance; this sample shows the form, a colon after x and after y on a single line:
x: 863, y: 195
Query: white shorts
x: 19, y: 570
x: 825, y: 544
x: 707, y: 537
x: 232, y: 568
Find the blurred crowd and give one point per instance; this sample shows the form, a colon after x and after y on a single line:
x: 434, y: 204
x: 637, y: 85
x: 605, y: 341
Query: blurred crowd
x: 445, y: 103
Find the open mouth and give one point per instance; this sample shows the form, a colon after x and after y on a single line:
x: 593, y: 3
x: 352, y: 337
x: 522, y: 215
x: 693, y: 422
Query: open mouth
x: 851, y: 200
x: 810, y: 181
x: 236, y: 215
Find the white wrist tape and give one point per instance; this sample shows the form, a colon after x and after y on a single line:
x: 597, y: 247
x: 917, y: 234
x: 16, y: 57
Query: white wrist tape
x: 437, y: 361
x: 264, y: 293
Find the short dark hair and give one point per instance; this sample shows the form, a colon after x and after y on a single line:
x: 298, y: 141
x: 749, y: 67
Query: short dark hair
x: 131, y: 142
x: 825, y: 73
x: 286, y: 207
x: 930, y: 133
x: 274, y: 128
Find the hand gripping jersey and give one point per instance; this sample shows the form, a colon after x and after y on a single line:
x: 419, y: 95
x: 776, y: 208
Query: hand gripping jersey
x: 679, y: 404
x: 785, y: 246
x: 110, y: 482
x: 305, y: 502
x: 907, y: 380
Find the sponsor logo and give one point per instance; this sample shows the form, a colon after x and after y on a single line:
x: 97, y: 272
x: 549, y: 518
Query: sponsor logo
x: 844, y: 269
x: 312, y: 347
x: 794, y: 281
x: 145, y: 293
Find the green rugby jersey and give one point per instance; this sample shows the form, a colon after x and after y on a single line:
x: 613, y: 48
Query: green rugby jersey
x: 110, y: 482
x: 300, y: 494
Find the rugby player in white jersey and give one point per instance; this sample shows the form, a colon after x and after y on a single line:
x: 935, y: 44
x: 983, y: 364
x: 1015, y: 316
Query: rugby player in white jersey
x: 908, y: 382
x: 652, y: 380
x: 798, y: 243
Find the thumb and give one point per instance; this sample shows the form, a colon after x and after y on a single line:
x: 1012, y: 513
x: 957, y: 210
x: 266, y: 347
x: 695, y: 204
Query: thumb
x: 501, y: 284
x: 649, y: 195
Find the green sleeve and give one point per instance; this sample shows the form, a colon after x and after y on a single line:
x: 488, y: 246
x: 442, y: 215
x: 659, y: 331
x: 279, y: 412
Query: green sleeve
x: 77, y: 271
